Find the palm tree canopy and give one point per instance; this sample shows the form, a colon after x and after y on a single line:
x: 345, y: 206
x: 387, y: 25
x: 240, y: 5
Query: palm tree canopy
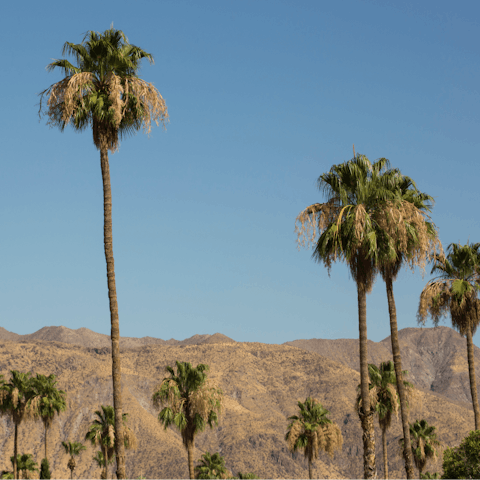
x: 102, y: 430
x: 424, y: 440
x: 51, y: 400
x: 19, y: 397
x: 188, y: 387
x: 383, y: 392
x: 455, y: 288
x: 211, y: 466
x: 73, y: 448
x: 312, y: 430
x: 374, y: 216
x: 103, y: 90
x: 25, y: 462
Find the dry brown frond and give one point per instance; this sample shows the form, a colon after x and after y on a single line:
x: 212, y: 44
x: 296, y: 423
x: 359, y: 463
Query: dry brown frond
x: 421, y: 446
x: 15, y: 397
x: 434, y: 300
x: 392, y: 391
x: 32, y: 409
x: 334, y: 438
x: 315, y: 219
x: 373, y: 395
x: 316, y: 438
x: 64, y: 97
x: 149, y: 100
x: 111, y: 435
x: 130, y: 438
x: 174, y: 401
x: 115, y: 96
x: 207, y: 398
x: 396, y: 220
x: 295, y: 431
x: 361, y: 219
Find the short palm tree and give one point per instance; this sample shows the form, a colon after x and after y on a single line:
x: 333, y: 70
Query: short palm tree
x: 424, y: 441
x: 189, y: 402
x: 26, y: 464
x: 73, y: 449
x: 102, y: 432
x: 101, y: 463
x: 312, y: 431
x: 384, y: 398
x: 348, y: 231
x: 51, y: 401
x: 103, y: 91
x: 211, y: 466
x: 20, y: 400
x: 454, y: 292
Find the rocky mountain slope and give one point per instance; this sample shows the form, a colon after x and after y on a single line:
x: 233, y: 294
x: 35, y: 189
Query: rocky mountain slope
x: 261, y: 383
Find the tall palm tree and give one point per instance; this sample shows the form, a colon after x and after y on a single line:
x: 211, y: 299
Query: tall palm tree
x: 406, y: 236
x: 384, y: 398
x: 19, y: 400
x: 103, y: 91
x: 189, y: 402
x: 454, y: 291
x: 348, y: 232
x: 51, y: 401
x: 102, y: 432
x: 211, y: 466
x: 73, y: 449
x: 312, y: 431
x: 424, y: 441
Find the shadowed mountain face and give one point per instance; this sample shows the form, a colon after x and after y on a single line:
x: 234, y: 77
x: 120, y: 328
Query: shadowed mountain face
x: 261, y: 383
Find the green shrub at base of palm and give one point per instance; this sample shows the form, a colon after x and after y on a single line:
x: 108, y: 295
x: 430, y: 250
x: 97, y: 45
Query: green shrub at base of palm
x: 6, y: 474
x: 45, y: 469
x: 462, y: 461
x: 211, y: 466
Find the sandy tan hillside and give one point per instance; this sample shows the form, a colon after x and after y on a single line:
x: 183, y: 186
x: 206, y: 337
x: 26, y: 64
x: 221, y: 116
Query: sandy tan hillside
x: 436, y: 358
x: 262, y: 384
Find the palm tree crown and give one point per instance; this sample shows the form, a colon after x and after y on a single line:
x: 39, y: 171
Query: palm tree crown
x: 51, y: 401
x: 73, y: 449
x: 424, y: 441
x: 103, y: 90
x: 191, y: 402
x: 312, y: 431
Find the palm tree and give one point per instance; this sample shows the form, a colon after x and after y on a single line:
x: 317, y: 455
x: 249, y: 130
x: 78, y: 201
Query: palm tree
x: 190, y: 402
x: 454, y: 291
x: 19, y: 400
x: 103, y: 91
x: 348, y: 232
x: 51, y: 401
x: 102, y: 432
x: 312, y: 431
x: 73, y: 449
x: 384, y: 398
x: 211, y: 466
x: 424, y: 441
x: 25, y: 464
x: 405, y: 236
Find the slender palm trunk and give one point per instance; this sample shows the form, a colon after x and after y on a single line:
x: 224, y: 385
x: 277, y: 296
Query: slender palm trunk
x: 15, y: 453
x: 71, y: 474
x: 385, y: 460
x: 106, y: 462
x: 112, y: 294
x: 46, y: 442
x: 397, y: 360
x: 366, y: 415
x: 190, y: 447
x: 471, y: 373
x: 310, y: 469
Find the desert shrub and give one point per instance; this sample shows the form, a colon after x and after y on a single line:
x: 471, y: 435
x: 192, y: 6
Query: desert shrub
x: 45, y: 469
x: 462, y: 461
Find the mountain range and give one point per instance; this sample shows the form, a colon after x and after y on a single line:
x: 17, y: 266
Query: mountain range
x: 262, y: 384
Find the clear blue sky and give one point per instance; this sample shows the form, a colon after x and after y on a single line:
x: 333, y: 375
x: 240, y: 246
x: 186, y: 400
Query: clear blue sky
x: 263, y: 97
